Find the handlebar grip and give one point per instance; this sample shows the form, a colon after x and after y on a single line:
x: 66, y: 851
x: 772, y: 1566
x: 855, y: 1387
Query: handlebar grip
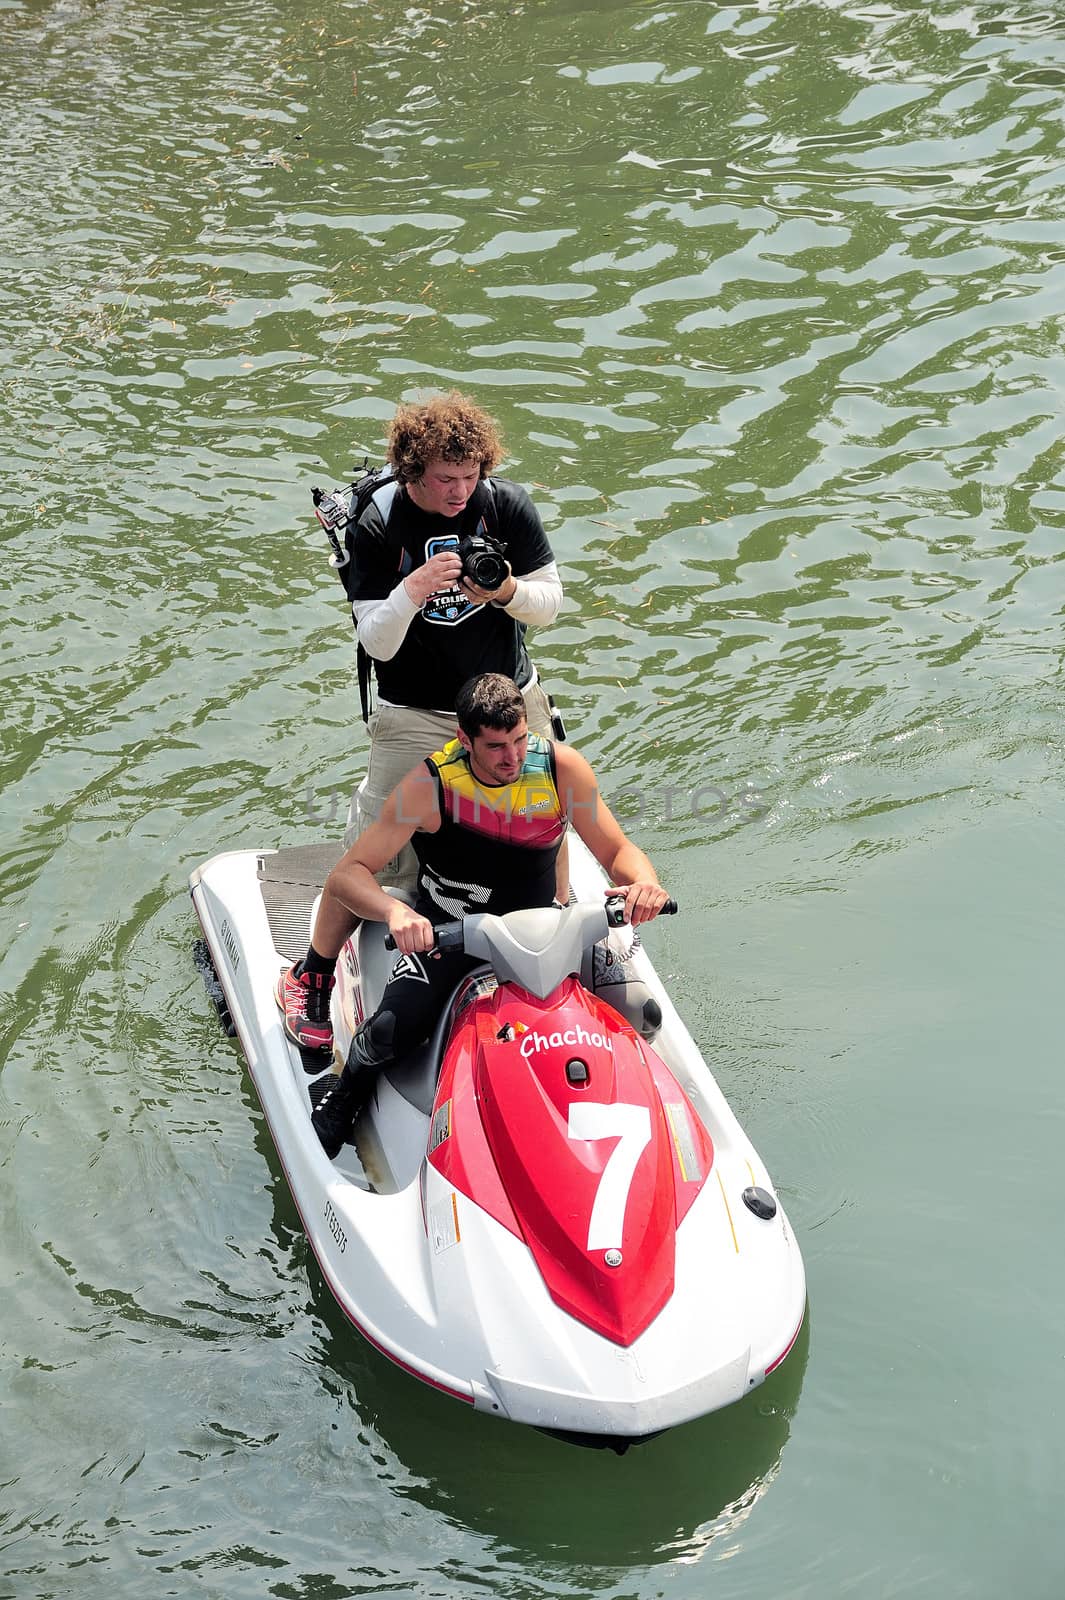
x: 615, y: 910
x: 448, y: 937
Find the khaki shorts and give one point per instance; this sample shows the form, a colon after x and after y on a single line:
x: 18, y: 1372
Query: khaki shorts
x: 401, y: 737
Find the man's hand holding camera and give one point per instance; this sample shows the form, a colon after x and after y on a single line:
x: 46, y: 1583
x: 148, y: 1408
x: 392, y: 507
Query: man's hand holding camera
x: 459, y: 569
x: 439, y: 574
x: 486, y: 574
x: 502, y: 595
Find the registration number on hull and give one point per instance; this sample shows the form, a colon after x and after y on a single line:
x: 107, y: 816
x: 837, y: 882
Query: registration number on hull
x: 333, y: 1224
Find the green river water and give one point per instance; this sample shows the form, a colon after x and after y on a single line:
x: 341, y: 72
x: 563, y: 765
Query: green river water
x: 769, y: 301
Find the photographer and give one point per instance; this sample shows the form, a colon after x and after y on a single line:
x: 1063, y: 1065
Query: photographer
x: 432, y: 609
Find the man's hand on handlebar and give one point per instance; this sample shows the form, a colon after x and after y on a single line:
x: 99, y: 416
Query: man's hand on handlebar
x: 643, y: 901
x: 410, y: 931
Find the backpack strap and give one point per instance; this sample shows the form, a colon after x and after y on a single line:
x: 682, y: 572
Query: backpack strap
x: 377, y: 488
x: 486, y: 491
x: 362, y: 662
x: 380, y: 489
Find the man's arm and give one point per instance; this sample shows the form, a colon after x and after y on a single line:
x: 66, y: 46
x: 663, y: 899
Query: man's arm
x: 351, y: 889
x: 532, y: 590
x: 385, y: 598
x: 624, y: 862
x: 381, y: 607
x: 535, y: 599
x: 382, y: 624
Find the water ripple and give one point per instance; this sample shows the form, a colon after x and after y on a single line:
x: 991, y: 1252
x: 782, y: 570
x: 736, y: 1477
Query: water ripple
x: 767, y: 302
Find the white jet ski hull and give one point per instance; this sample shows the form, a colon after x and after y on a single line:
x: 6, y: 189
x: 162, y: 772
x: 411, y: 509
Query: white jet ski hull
x: 438, y: 1284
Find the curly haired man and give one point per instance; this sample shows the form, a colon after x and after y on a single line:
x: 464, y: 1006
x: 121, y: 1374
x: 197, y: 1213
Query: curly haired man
x: 426, y: 627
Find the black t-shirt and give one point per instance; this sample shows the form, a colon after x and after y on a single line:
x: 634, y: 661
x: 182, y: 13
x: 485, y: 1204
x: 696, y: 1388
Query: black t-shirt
x: 452, y: 638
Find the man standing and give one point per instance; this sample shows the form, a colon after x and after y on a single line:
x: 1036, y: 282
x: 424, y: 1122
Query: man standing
x: 487, y: 815
x: 426, y: 627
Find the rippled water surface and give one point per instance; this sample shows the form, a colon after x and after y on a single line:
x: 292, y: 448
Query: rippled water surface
x: 768, y: 301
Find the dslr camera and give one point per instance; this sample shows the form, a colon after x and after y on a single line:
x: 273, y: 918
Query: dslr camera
x: 483, y: 560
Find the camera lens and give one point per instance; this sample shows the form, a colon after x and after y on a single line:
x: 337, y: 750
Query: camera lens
x: 482, y: 564
x: 487, y: 571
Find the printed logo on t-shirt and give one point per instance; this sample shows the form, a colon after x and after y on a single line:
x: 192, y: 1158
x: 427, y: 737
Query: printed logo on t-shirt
x: 447, y: 606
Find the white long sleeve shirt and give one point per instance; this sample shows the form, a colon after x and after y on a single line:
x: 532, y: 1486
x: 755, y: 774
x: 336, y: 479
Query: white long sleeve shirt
x: 383, y: 624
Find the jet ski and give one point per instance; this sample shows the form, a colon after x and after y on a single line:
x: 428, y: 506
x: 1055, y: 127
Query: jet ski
x: 549, y: 1211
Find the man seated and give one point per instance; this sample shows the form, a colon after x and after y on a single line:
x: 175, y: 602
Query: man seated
x: 486, y: 815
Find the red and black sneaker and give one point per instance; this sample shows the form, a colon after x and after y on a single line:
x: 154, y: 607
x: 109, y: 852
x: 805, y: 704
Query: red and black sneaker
x: 304, y: 1005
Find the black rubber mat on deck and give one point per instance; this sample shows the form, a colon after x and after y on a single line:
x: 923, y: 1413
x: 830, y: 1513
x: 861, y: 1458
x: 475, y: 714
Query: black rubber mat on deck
x: 289, y: 881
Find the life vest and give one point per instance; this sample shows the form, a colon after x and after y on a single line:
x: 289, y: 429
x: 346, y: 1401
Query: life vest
x: 496, y: 845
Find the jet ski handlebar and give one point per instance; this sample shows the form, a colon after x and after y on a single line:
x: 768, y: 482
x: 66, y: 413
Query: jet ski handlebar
x: 615, y: 910
x: 450, y: 936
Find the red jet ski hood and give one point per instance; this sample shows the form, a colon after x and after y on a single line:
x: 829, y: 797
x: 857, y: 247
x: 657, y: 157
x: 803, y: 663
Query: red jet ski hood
x: 566, y: 1127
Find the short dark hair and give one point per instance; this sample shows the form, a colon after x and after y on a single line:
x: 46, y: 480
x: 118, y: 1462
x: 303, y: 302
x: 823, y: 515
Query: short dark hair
x: 489, y: 701
x: 449, y: 426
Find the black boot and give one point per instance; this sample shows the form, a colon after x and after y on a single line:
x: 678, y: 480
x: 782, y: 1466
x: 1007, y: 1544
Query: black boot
x: 334, y: 1116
